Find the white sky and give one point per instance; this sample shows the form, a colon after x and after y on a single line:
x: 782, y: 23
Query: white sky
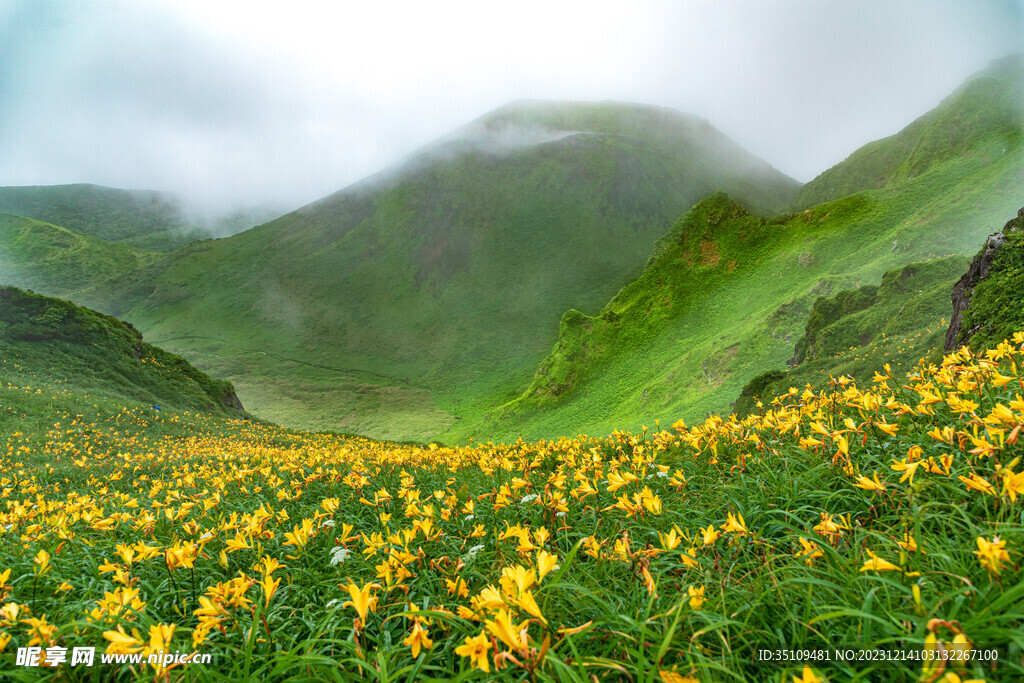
x: 283, y: 102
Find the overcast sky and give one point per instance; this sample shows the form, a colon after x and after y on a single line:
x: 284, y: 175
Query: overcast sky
x: 284, y: 102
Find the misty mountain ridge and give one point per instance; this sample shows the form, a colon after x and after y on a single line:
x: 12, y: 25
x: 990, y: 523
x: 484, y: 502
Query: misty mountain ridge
x: 40, y: 255
x: 146, y: 219
x: 420, y: 301
x: 684, y: 337
x: 987, y: 107
x: 449, y: 270
x: 528, y: 123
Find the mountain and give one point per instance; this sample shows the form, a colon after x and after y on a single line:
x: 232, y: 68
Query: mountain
x: 856, y: 331
x: 727, y: 294
x: 908, y: 317
x: 154, y: 221
x: 150, y: 220
x: 410, y: 300
x: 987, y: 111
x: 89, y: 355
x: 61, y: 261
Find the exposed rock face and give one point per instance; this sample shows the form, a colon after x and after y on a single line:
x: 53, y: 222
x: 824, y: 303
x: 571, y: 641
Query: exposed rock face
x: 230, y: 400
x: 978, y: 271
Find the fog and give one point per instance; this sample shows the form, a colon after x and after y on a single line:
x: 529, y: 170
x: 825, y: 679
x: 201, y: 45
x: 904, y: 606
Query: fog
x: 277, y: 104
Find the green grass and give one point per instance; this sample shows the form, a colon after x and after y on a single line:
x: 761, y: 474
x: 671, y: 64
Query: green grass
x: 184, y: 479
x: 685, y: 337
x: 34, y: 254
x: 148, y: 220
x: 988, y: 108
x: 46, y: 342
x: 448, y: 275
x: 856, y: 332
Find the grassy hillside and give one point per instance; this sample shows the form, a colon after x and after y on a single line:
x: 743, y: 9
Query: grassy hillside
x: 870, y: 519
x: 149, y: 220
x: 857, y: 331
x: 726, y: 295
x: 72, y: 351
x: 997, y: 301
x: 61, y: 262
x: 398, y: 306
x: 987, y: 110
x: 153, y: 221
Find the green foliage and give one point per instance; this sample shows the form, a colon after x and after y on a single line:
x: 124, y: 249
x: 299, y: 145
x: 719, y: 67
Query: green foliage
x: 997, y: 305
x: 857, y: 331
x: 61, y: 262
x: 757, y: 387
x: 50, y: 341
x: 826, y: 311
x: 986, y: 109
x: 148, y: 220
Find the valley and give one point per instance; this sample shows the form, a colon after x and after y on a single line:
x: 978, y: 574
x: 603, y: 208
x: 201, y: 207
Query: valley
x: 578, y: 391
x: 420, y: 303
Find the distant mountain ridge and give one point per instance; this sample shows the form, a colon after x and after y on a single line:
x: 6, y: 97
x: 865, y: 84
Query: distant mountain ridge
x: 726, y: 295
x: 58, y: 260
x: 145, y: 219
x: 449, y: 270
x: 137, y: 217
x: 43, y: 339
x: 989, y: 106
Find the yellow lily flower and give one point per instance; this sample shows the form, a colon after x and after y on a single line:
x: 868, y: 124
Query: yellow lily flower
x: 476, y: 648
x: 362, y: 601
x: 513, y: 636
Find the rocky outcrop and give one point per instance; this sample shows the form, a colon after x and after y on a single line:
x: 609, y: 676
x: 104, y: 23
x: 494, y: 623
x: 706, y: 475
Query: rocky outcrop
x: 230, y: 400
x: 979, y: 269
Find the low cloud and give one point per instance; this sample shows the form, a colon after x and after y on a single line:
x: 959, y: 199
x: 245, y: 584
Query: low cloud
x: 276, y: 105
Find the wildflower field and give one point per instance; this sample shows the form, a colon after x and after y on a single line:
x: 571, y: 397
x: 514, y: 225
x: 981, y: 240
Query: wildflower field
x: 864, y: 516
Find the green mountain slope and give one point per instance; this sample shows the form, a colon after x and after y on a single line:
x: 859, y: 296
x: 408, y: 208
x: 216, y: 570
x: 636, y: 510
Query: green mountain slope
x: 154, y: 221
x: 59, y: 261
x: 907, y: 318
x: 726, y: 294
x: 448, y: 274
x: 89, y: 356
x: 988, y: 301
x: 857, y: 331
x: 987, y: 109
x: 149, y: 220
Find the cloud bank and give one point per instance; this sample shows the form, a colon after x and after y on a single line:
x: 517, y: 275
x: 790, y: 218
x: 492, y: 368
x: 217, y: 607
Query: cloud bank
x: 231, y: 104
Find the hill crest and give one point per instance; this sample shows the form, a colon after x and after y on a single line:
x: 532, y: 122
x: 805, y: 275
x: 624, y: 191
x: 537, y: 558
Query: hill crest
x: 987, y: 109
x: 451, y: 269
x: 48, y: 339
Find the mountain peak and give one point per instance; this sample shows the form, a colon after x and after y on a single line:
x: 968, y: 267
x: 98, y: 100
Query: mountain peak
x: 609, y: 117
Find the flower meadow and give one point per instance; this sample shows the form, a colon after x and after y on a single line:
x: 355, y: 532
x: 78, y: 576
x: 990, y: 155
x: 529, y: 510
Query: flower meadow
x: 868, y: 516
